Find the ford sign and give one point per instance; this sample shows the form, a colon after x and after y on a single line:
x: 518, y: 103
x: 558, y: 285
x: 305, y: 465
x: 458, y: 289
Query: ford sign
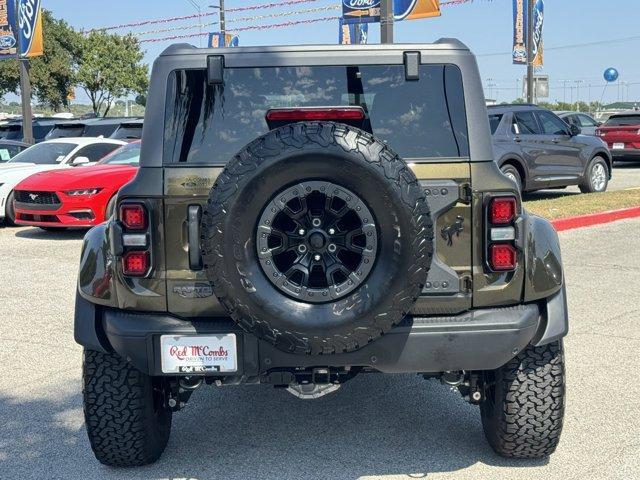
x: 7, y: 41
x: 360, y: 4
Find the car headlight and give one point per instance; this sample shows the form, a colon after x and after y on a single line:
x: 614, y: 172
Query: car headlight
x: 82, y: 192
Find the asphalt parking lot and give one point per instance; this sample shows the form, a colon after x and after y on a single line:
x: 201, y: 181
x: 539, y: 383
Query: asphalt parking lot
x: 376, y: 426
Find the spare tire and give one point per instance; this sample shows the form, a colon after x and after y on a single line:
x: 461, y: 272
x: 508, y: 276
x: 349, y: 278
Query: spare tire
x: 317, y: 238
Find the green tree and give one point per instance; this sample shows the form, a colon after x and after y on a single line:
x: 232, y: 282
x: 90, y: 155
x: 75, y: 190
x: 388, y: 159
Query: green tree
x: 110, y: 67
x: 52, y: 74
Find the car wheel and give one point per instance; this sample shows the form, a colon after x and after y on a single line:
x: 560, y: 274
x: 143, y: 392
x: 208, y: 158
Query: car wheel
x: 523, y: 409
x: 596, y: 177
x: 303, y: 229
x: 10, y: 214
x: 512, y: 173
x: 127, y: 418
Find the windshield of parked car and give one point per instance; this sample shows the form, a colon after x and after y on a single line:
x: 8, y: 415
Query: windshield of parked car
x: 127, y: 155
x: 421, y: 119
x: 623, y: 120
x: 44, y: 153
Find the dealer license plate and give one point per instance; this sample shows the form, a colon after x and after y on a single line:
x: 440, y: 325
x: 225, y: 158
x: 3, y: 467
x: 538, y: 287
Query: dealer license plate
x: 198, y: 353
x: 618, y: 146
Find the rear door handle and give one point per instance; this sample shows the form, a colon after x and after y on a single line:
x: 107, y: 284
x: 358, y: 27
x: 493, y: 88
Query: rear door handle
x: 517, y: 139
x: 194, y: 216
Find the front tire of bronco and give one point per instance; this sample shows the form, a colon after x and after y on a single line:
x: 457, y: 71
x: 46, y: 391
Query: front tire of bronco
x: 523, y: 410
x: 127, y: 420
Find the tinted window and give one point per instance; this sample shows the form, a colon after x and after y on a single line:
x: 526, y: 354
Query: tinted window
x: 96, y: 152
x: 210, y: 124
x: 622, y: 120
x: 44, y: 153
x: 494, y: 122
x: 65, y: 131
x: 11, y: 132
x: 586, y: 121
x: 99, y: 129
x: 127, y: 155
x: 128, y: 132
x: 526, y: 123
x: 551, y: 125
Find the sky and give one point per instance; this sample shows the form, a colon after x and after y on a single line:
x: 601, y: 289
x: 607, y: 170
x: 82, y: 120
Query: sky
x: 484, y: 25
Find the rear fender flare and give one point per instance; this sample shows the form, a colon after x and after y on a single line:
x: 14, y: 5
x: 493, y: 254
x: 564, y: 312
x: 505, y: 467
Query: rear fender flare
x: 543, y: 269
x: 96, y: 274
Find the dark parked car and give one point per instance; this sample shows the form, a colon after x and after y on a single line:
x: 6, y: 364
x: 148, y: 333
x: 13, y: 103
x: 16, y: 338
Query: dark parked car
x: 92, y: 127
x: 129, y: 131
x: 584, y: 121
x: 537, y: 150
x: 10, y: 148
x: 41, y: 127
x: 622, y: 134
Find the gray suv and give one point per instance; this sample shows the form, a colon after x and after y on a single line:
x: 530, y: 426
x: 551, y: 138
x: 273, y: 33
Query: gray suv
x: 538, y: 150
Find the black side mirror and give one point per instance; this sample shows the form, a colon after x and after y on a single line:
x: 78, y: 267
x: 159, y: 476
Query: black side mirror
x: 574, y: 130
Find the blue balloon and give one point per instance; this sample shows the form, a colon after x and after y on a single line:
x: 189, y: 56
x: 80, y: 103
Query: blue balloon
x: 611, y: 74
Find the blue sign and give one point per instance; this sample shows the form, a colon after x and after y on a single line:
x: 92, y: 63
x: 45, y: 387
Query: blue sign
x: 611, y: 74
x: 353, y: 33
x: 8, y: 40
x: 368, y: 11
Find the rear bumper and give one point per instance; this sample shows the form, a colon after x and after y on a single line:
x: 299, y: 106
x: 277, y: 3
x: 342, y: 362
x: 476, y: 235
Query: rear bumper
x: 632, y: 154
x: 481, y: 339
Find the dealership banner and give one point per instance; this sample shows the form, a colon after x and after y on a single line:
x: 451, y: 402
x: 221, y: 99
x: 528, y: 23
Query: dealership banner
x: 20, y: 28
x: 217, y: 40
x: 520, y: 25
x: 348, y: 33
x: 30, y: 27
x: 8, y: 39
x: 368, y: 11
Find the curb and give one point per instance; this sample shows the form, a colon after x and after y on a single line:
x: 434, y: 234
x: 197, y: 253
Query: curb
x: 570, y: 223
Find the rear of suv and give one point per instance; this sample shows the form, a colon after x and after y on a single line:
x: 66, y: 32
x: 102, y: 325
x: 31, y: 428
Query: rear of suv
x: 538, y: 150
x: 621, y: 132
x: 303, y: 215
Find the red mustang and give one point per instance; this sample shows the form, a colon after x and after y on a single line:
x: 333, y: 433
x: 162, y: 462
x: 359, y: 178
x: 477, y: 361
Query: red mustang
x: 78, y: 197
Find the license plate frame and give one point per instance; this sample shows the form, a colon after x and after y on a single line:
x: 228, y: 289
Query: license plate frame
x: 618, y: 146
x: 199, y: 354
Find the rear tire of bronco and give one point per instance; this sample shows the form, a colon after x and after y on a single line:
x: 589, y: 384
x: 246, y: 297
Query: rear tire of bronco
x: 299, y: 171
x: 127, y: 421
x: 523, y: 411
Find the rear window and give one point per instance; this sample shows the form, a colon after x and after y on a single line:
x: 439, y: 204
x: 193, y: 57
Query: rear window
x: 622, y: 120
x: 494, y: 122
x: 65, y: 131
x: 128, y: 132
x: 420, y: 119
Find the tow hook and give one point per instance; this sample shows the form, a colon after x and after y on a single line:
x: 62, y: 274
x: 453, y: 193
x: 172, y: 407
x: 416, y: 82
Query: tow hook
x: 181, y: 391
x: 469, y: 384
x: 319, y: 386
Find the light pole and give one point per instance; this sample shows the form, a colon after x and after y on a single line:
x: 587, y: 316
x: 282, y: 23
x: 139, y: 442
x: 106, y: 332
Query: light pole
x: 386, y: 21
x: 530, y: 26
x: 578, y: 82
x: 221, y: 13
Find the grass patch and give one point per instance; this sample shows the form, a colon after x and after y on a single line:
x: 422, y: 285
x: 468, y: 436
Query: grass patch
x: 583, y: 204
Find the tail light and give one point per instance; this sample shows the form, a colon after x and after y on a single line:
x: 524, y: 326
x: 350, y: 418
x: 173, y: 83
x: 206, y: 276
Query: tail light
x: 314, y: 113
x: 133, y: 216
x: 501, y: 252
x: 135, y: 264
x: 134, y: 240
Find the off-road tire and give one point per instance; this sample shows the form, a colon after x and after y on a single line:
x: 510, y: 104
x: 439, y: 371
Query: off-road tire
x: 355, y: 160
x: 586, y: 185
x: 125, y: 429
x: 523, y: 413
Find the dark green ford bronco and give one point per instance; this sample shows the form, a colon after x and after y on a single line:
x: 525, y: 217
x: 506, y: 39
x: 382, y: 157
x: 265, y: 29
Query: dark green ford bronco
x: 306, y: 214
